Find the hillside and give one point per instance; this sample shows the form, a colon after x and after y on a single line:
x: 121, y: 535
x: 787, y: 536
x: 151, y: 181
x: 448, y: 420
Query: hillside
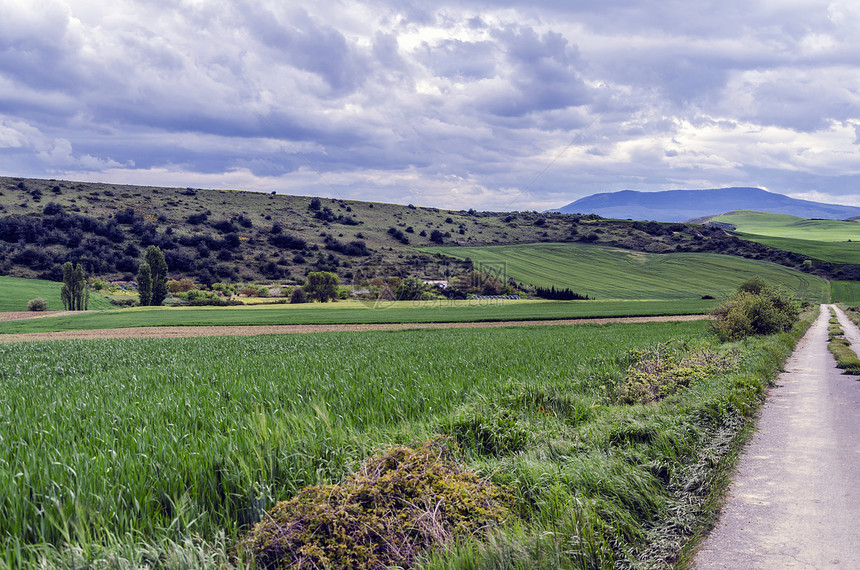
x: 613, y: 273
x: 681, y: 205
x: 827, y: 240
x: 237, y: 236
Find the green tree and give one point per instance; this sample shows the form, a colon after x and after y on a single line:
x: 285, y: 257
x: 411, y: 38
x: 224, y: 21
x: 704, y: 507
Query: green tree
x: 322, y: 285
x: 144, y: 284
x: 298, y: 296
x: 755, y: 309
x: 411, y: 289
x: 74, y: 293
x: 158, y: 267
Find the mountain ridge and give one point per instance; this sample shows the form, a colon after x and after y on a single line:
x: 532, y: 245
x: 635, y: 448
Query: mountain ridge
x: 683, y: 205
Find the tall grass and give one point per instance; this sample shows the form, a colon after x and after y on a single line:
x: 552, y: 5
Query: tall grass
x: 113, y: 449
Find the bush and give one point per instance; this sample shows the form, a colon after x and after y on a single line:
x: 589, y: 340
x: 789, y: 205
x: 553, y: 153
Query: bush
x: 755, y: 309
x: 667, y: 369
x: 37, y: 304
x: 298, y: 295
x: 395, y: 507
x: 181, y: 286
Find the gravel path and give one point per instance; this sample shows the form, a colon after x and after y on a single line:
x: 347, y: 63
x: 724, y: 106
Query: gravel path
x: 794, y: 501
x: 180, y: 332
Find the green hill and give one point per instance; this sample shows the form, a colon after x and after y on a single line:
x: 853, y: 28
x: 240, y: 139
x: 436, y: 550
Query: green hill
x: 828, y: 240
x: 238, y: 236
x: 15, y: 292
x: 612, y: 273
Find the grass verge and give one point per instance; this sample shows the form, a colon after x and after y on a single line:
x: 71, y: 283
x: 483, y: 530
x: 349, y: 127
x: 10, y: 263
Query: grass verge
x: 840, y: 347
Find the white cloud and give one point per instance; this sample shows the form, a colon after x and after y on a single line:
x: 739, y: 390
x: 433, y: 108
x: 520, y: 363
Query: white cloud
x: 816, y: 196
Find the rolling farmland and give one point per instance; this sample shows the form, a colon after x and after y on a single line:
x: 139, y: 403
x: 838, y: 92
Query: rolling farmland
x: 828, y: 240
x: 612, y: 273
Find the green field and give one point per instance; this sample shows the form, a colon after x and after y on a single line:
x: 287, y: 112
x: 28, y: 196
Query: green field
x: 611, y: 273
x: 15, y: 292
x: 783, y: 225
x: 845, y: 292
x: 355, y: 312
x: 139, y: 450
x: 834, y: 252
x: 828, y: 240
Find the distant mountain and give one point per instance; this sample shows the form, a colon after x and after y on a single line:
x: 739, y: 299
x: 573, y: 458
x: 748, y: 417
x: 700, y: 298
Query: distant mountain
x: 682, y: 205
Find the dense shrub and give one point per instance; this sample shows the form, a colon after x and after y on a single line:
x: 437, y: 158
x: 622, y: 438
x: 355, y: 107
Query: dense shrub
x: 668, y: 368
x: 353, y: 248
x: 298, y: 295
x: 395, y: 507
x: 287, y: 241
x: 755, y: 309
x: 37, y: 304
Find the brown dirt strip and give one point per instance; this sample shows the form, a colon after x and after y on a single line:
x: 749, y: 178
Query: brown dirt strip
x: 188, y: 332
x: 30, y: 315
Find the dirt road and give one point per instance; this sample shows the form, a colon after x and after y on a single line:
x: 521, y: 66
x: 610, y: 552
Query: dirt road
x: 794, y: 501
x: 180, y: 332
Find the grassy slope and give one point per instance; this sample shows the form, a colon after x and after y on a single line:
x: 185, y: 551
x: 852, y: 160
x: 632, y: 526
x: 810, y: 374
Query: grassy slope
x: 15, y: 292
x: 845, y: 292
x: 826, y: 240
x: 604, y: 272
x: 783, y: 225
x: 834, y: 252
x: 356, y: 312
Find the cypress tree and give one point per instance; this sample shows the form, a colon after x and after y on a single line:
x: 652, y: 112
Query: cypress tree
x: 144, y: 284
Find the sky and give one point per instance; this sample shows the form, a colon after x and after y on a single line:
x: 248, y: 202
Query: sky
x: 492, y: 105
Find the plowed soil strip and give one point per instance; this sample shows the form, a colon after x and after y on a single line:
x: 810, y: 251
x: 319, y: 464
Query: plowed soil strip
x: 187, y: 332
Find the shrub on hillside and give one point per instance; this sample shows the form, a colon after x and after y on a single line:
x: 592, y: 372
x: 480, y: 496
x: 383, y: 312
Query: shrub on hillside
x: 755, y: 309
x: 37, y: 304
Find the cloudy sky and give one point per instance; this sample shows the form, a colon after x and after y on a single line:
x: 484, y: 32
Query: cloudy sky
x: 505, y: 105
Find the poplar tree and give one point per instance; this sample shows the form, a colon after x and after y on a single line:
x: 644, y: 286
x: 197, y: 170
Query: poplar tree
x: 144, y: 284
x: 74, y: 293
x: 158, y: 268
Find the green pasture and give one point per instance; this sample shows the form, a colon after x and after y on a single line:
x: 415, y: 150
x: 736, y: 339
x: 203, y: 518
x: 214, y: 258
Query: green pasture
x: 828, y: 240
x: 834, y: 252
x: 129, y: 453
x: 786, y: 226
x: 15, y: 292
x: 612, y: 273
x: 845, y: 292
x: 355, y: 312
